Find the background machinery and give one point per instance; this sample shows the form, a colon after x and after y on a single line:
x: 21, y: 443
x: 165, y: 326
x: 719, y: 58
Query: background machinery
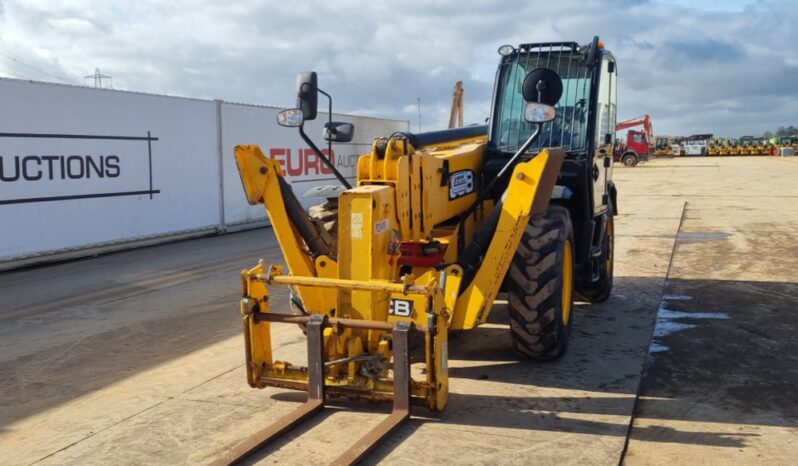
x: 746, y: 145
x: 639, y: 144
x: 720, y: 146
x: 787, y: 141
x: 761, y: 146
x: 696, y: 144
x: 437, y: 224
x: 665, y: 146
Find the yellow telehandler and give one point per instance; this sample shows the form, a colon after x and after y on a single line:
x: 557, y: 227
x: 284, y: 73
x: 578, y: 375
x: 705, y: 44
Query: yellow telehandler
x: 436, y: 225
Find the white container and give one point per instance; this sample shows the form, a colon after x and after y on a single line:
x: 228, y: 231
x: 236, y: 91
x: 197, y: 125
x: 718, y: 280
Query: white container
x: 87, y: 170
x: 252, y: 124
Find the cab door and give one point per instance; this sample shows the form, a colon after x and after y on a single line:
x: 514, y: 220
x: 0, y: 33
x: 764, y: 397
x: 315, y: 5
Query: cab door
x: 605, y: 132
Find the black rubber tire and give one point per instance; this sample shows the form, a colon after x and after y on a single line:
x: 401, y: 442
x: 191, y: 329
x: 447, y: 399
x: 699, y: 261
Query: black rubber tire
x: 326, y: 216
x: 629, y: 160
x: 535, y: 287
x: 600, y: 290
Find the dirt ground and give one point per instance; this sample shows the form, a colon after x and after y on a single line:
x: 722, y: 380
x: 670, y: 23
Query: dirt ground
x: 137, y: 358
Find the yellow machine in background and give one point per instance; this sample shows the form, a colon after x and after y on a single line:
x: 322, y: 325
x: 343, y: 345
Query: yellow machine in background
x: 713, y: 148
x: 435, y: 226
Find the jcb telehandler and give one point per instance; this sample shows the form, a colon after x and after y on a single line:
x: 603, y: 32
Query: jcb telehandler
x: 435, y: 227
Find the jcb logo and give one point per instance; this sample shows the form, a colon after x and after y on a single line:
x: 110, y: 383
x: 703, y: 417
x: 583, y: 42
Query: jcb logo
x: 401, y: 307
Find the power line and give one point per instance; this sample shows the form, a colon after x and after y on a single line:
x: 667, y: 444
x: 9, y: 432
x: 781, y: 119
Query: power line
x: 37, y: 69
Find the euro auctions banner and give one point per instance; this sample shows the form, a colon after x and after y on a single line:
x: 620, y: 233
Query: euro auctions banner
x: 249, y: 124
x: 82, y: 168
x: 74, y: 166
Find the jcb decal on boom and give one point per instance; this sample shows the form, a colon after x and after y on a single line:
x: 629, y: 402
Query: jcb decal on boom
x: 401, y: 307
x: 461, y: 183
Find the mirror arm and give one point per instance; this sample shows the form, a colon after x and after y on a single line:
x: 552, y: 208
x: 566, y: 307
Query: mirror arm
x: 329, y: 118
x: 324, y: 159
x: 510, y: 162
x: 486, y: 192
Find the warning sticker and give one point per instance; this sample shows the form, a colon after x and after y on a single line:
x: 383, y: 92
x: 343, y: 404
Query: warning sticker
x: 357, y: 225
x: 461, y: 183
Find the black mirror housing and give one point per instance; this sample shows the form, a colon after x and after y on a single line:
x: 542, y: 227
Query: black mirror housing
x: 307, y: 94
x: 337, y: 131
x: 542, y: 86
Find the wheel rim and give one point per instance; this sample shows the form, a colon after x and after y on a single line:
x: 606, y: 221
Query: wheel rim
x: 567, y: 282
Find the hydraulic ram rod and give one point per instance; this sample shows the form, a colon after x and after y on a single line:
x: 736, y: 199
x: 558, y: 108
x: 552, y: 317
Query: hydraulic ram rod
x: 373, y: 285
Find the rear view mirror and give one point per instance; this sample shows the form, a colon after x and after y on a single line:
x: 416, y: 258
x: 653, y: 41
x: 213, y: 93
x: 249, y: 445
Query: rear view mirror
x: 538, y: 113
x: 292, y: 117
x: 543, y: 86
x: 307, y: 94
x: 337, y: 131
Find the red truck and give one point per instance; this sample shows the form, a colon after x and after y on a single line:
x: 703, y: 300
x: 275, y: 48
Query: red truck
x: 639, y: 144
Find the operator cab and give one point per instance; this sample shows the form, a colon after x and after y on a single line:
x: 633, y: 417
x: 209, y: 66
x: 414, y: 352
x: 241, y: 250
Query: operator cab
x: 584, y: 126
x: 572, y: 127
x: 585, y: 114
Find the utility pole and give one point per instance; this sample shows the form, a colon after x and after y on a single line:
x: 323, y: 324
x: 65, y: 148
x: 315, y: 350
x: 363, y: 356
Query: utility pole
x: 98, y: 79
x: 419, y: 113
x: 457, y: 106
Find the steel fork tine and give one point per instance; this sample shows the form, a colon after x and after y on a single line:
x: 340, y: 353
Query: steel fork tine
x: 313, y: 405
x: 401, y: 400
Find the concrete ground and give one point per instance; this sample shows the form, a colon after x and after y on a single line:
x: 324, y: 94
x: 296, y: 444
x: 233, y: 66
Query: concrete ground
x: 136, y: 357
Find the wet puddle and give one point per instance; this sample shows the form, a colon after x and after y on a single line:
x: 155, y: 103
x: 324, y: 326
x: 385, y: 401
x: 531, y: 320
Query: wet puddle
x: 701, y: 236
x: 670, y: 321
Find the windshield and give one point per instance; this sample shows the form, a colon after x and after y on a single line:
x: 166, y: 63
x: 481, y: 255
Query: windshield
x: 569, y: 128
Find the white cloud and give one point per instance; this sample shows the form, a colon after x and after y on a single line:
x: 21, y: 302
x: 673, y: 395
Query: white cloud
x: 694, y: 70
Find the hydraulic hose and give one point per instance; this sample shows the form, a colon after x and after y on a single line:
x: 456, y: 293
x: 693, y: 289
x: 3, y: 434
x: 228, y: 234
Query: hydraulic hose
x: 301, y: 221
x: 471, y: 257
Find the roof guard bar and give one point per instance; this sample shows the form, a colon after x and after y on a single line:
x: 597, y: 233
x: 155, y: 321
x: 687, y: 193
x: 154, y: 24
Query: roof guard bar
x: 570, y: 45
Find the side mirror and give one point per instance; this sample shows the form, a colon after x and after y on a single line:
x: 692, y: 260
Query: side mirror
x: 538, y: 113
x: 337, y: 131
x: 307, y: 94
x: 543, y: 86
x: 292, y: 117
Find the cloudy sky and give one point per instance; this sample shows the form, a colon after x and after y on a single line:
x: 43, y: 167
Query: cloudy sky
x: 727, y: 67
